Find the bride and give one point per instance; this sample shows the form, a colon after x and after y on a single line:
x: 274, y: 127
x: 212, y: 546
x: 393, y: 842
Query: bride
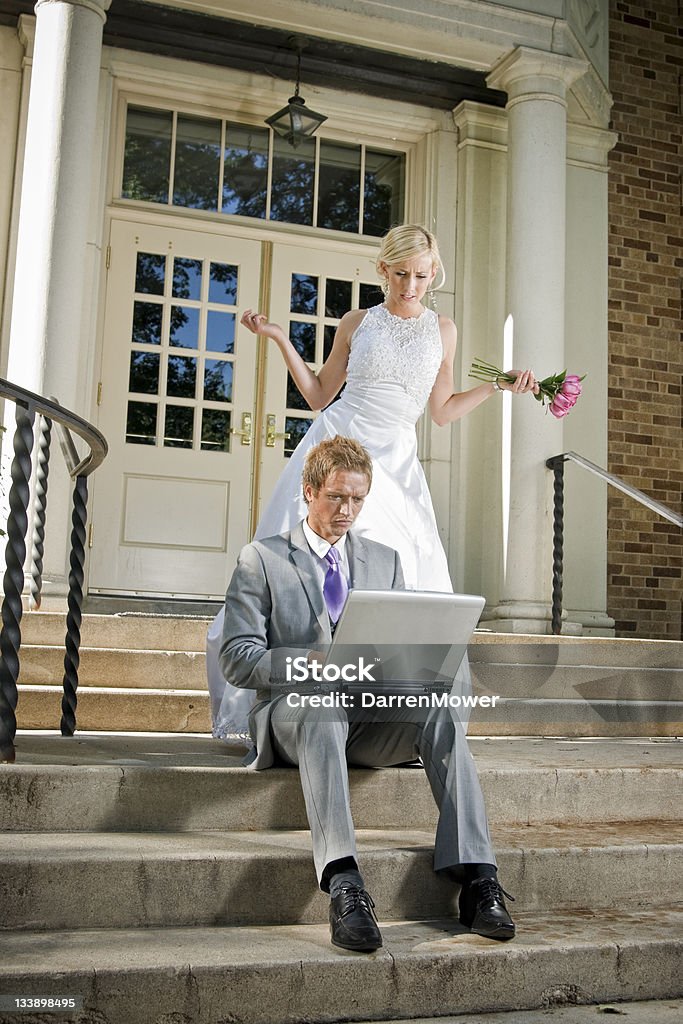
x: 395, y: 359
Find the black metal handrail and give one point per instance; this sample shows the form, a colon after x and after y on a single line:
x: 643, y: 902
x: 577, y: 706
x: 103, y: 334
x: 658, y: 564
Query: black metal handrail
x: 556, y: 463
x: 28, y: 406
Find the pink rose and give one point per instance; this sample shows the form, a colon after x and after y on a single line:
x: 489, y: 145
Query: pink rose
x: 571, y: 385
x: 561, y: 405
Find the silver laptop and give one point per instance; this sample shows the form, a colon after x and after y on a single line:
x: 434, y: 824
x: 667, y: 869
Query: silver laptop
x: 409, y: 641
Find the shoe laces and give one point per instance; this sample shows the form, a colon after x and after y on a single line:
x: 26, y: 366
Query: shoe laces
x: 491, y: 889
x: 352, y: 897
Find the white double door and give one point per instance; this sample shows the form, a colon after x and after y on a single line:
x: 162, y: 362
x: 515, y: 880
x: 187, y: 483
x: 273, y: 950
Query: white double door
x: 192, y: 405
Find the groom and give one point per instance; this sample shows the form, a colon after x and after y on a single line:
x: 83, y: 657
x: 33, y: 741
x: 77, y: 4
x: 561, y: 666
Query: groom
x: 283, y: 602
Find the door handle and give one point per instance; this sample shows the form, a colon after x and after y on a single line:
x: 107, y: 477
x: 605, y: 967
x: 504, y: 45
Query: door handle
x: 271, y: 435
x: 246, y: 432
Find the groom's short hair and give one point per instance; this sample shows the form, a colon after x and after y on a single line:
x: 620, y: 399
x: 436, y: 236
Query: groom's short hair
x: 334, y: 454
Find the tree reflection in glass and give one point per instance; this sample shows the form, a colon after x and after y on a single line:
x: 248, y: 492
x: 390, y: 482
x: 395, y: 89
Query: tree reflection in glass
x: 144, y: 373
x: 295, y: 399
x: 304, y: 294
x: 220, y: 331
x: 147, y: 319
x: 147, y: 156
x: 182, y: 376
x: 197, y: 158
x: 150, y: 270
x: 217, y: 381
x: 215, y: 431
x: 337, y: 298
x: 184, y: 327
x: 328, y: 339
x: 245, y: 170
x: 141, y: 423
x: 384, y: 202
x: 370, y: 295
x: 291, y: 191
x: 187, y: 278
x: 223, y: 284
x: 338, y: 186
x: 296, y: 428
x: 302, y: 337
x: 178, y: 426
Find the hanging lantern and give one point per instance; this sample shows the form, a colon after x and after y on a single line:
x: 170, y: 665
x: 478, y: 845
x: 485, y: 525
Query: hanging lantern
x: 296, y: 121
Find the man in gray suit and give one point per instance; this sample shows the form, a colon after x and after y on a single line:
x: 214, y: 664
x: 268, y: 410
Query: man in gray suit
x: 282, y: 603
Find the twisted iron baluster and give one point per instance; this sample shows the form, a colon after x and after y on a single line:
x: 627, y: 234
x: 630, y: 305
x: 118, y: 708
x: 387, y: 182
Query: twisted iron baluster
x: 40, y: 511
x: 557, y: 466
x: 74, y: 602
x: 15, y: 553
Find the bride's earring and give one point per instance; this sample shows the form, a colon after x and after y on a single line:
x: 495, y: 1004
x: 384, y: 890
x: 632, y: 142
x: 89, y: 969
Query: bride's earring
x: 431, y: 298
x: 385, y: 287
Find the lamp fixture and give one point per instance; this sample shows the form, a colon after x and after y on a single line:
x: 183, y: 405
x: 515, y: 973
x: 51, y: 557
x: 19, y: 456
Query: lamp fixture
x: 296, y: 121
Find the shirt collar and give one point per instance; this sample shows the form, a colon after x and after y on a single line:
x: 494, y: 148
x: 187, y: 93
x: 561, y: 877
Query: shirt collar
x: 319, y: 546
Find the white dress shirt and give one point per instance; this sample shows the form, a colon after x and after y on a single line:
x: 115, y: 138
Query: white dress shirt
x: 319, y: 547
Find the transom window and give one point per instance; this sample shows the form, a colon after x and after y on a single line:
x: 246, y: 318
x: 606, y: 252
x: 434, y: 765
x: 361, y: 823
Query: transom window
x: 208, y: 163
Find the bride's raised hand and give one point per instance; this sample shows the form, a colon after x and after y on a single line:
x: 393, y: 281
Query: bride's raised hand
x: 258, y: 324
x: 524, y: 381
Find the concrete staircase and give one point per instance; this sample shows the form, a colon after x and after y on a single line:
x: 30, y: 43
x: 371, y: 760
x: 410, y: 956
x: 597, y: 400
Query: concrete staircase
x: 138, y: 673
x: 160, y: 882
x: 146, y: 673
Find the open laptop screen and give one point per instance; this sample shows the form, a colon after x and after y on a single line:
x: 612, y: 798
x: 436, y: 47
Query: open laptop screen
x: 414, y: 640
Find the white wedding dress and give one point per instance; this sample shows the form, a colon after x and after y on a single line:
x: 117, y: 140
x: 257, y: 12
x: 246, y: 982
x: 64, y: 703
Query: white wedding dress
x: 393, y: 363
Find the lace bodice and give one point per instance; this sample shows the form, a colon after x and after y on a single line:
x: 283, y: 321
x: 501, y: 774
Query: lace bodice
x: 386, y: 347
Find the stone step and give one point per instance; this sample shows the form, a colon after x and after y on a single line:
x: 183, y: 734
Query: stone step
x: 129, y: 880
x: 147, y: 783
x: 557, y: 684
x: 168, y: 607
x: 551, y: 651
x: 292, y: 973
x: 529, y: 661
x: 134, y: 709
x: 43, y: 664
x: 131, y: 630
x: 547, y: 685
x: 127, y: 631
x: 101, y: 666
x: 117, y: 709
x: 559, y: 1009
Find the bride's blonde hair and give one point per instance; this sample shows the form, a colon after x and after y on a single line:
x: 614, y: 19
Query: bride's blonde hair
x: 409, y: 240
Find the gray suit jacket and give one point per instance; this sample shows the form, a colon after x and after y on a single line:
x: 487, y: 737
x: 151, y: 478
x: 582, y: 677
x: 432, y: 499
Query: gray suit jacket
x: 274, y: 609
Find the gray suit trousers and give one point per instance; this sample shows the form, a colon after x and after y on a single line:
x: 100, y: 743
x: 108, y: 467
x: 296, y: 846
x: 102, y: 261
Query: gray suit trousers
x: 324, y: 743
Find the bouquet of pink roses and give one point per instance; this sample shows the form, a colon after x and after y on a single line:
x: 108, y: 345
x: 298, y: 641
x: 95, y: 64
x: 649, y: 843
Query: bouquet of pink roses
x: 561, y: 391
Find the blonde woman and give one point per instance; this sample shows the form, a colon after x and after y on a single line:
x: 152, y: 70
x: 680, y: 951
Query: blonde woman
x: 395, y: 359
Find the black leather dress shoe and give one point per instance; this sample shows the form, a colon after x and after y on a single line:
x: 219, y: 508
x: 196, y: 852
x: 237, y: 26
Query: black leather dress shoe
x: 483, y: 910
x: 352, y: 920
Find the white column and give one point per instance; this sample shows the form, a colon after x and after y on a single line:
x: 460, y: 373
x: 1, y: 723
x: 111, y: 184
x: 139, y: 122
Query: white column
x: 51, y: 246
x: 476, y: 492
x: 52, y: 239
x: 435, y: 187
x: 536, y: 83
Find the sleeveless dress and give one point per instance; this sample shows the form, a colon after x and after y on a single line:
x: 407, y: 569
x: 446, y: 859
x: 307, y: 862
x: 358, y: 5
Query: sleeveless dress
x: 393, y: 363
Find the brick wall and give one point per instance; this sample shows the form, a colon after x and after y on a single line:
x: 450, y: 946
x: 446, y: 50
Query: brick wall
x: 645, y: 344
